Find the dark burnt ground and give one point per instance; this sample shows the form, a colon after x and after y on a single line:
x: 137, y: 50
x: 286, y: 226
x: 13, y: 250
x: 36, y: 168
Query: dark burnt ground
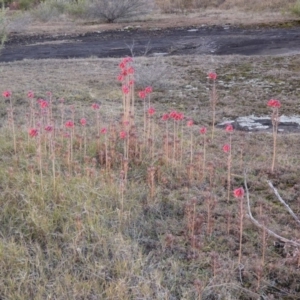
x: 218, y: 40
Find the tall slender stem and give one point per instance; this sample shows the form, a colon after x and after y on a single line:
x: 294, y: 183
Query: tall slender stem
x: 241, y: 228
x: 13, y: 124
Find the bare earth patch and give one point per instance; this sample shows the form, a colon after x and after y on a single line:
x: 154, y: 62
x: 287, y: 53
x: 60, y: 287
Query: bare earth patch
x: 204, y: 17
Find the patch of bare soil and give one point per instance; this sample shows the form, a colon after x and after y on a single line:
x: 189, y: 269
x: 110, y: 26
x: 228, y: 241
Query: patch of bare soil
x: 206, y: 17
x: 218, y: 40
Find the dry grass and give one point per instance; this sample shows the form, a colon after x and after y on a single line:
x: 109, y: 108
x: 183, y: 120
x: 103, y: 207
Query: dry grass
x: 217, y: 12
x: 245, y: 83
x: 70, y: 243
x: 255, y: 5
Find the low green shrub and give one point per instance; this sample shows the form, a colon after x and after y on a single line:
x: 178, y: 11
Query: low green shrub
x: 49, y: 10
x: 295, y: 9
x: 27, y: 4
x: 113, y: 10
x: 3, y: 26
x: 77, y: 9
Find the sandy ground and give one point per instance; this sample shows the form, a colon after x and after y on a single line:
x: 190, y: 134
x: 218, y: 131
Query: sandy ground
x: 154, y: 21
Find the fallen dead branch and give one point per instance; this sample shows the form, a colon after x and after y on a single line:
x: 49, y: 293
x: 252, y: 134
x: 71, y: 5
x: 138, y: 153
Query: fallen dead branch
x: 283, y: 202
x: 255, y: 222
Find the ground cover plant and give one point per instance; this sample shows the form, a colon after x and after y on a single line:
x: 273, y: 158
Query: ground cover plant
x: 114, y: 189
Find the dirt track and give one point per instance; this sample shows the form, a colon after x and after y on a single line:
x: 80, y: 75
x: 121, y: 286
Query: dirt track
x: 218, y: 40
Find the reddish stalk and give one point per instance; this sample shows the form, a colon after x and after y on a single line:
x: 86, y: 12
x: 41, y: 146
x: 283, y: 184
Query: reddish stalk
x: 239, y: 194
x: 7, y: 94
x: 203, y: 132
x: 275, y: 105
x: 213, y: 101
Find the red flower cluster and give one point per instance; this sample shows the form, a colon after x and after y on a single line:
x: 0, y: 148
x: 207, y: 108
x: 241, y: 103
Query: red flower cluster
x: 165, y: 117
x: 229, y: 128
x: 239, y: 193
x: 125, y: 69
x: 123, y: 135
x: 226, y: 148
x: 212, y: 76
x: 120, y: 77
x: 33, y: 132
x: 142, y: 94
x: 103, y: 130
x: 125, y: 61
x: 6, y: 94
x: 95, y: 106
x: 203, y: 130
x: 151, y: 111
x: 43, y: 103
x: 148, y: 90
x: 177, y: 116
x: 274, y: 103
x: 190, y: 123
x: 130, y: 70
x: 69, y: 124
x: 30, y: 94
x: 125, y: 89
x: 83, y: 121
x: 48, y: 128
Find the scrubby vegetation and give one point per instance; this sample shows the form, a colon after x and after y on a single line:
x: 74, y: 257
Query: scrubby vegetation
x: 295, y: 9
x: 189, y: 5
x: 102, y: 10
x: 120, y: 10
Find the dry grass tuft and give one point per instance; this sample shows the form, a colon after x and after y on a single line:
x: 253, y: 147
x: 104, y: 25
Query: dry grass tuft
x: 255, y: 5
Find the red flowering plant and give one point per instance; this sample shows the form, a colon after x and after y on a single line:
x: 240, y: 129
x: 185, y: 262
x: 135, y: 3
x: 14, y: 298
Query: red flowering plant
x: 151, y: 111
x: 229, y: 129
x: 48, y: 128
x: 69, y: 124
x: 30, y: 94
x: 125, y: 89
x: 212, y: 76
x: 95, y: 106
x: 203, y: 130
x: 226, y: 148
x: 43, y: 103
x: 103, y: 130
x: 165, y: 117
x: 126, y: 78
x: 6, y: 94
x: 239, y: 194
x: 142, y: 94
x: 83, y: 121
x: 33, y: 132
